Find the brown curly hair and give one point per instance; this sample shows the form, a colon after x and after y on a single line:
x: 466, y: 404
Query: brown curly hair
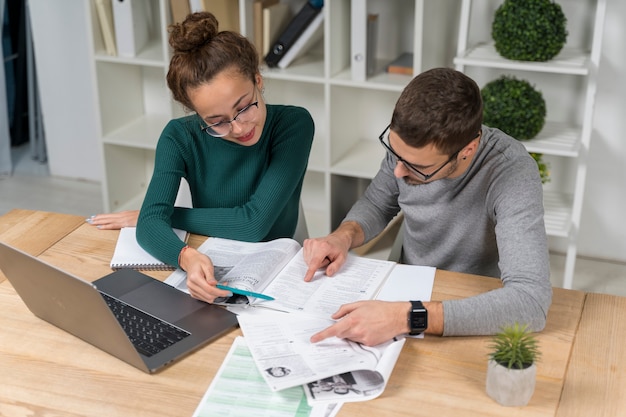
x: 201, y: 52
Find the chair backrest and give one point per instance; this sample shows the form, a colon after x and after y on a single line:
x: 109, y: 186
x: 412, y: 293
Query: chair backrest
x: 302, y: 231
x: 183, y: 199
x: 396, y: 249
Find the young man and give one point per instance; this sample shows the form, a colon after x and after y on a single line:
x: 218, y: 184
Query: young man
x: 473, y: 202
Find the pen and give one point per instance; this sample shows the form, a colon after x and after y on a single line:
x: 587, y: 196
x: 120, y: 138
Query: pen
x: 244, y: 292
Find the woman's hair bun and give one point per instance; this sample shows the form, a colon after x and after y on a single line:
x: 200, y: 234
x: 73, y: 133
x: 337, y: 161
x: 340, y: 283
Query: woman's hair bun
x: 195, y: 31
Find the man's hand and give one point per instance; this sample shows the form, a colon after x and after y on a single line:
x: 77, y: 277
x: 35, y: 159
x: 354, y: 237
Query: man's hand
x: 113, y: 221
x: 368, y: 322
x: 200, y: 276
x: 331, y: 251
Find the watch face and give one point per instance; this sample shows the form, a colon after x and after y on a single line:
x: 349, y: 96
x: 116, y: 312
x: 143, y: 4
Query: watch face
x: 418, y: 318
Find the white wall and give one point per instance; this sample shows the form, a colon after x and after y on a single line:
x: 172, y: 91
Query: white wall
x: 64, y: 75
x: 603, y: 222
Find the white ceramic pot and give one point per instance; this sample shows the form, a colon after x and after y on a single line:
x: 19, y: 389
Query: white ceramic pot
x: 510, y: 387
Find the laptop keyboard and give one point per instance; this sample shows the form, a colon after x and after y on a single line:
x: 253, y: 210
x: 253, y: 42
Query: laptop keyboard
x: 148, y: 334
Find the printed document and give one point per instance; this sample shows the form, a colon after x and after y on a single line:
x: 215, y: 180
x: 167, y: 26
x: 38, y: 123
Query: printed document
x: 238, y: 390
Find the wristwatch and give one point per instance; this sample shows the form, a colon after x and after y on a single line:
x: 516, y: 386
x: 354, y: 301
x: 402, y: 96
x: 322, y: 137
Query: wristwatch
x: 418, y: 318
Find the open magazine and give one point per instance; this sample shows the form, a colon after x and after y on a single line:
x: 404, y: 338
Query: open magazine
x: 334, y: 370
x: 277, y: 268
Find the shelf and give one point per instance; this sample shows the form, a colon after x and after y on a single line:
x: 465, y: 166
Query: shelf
x: 557, y: 139
x: 360, y: 161
x: 307, y: 68
x: 558, y: 213
x: 569, y: 61
x: 151, y: 56
x: 381, y: 80
x: 141, y: 133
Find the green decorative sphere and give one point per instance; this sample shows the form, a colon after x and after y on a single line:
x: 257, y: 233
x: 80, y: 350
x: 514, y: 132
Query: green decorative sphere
x: 513, y: 106
x: 529, y: 30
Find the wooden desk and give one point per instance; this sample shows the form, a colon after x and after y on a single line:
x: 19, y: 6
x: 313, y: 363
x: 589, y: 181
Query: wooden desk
x: 596, y: 379
x: 45, y: 371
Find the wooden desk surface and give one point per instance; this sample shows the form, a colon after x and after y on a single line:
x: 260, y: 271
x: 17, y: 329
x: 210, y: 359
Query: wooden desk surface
x: 46, y: 371
x: 596, y: 379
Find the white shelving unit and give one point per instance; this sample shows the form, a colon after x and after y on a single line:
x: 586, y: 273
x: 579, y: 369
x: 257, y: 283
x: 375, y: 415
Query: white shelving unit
x: 133, y: 106
x: 349, y: 115
x: 134, y: 103
x: 568, y: 83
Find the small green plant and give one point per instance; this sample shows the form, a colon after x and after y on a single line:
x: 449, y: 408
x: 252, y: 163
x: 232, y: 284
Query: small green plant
x: 513, y: 106
x: 515, y: 347
x: 544, y: 168
x: 529, y: 30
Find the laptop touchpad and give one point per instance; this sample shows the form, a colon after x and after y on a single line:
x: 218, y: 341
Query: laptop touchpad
x: 162, y: 302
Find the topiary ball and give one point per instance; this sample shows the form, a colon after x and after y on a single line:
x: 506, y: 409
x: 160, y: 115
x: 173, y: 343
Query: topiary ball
x: 529, y: 30
x: 513, y: 106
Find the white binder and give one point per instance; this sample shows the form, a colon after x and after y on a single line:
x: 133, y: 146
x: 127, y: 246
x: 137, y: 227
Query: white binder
x: 131, y: 19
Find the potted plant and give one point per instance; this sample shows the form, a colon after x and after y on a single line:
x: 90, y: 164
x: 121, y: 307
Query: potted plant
x: 518, y: 109
x: 529, y: 30
x: 512, y: 369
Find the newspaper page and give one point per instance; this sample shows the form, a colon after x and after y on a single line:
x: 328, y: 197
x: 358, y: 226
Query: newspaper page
x: 281, y: 348
x: 238, y: 390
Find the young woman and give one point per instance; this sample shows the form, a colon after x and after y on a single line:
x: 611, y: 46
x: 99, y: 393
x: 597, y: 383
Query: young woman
x: 244, y: 159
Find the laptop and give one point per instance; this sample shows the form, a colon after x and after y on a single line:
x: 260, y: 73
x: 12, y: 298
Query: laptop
x: 172, y: 322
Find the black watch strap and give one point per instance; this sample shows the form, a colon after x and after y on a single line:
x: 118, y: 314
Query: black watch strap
x: 418, y: 318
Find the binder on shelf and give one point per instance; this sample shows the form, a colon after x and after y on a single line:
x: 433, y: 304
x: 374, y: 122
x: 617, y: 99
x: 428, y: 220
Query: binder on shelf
x: 358, y: 40
x: 131, y: 21
x: 196, y: 6
x: 104, y: 9
x: 275, y: 19
x: 403, y: 64
x: 180, y: 10
x: 305, y: 41
x: 292, y: 32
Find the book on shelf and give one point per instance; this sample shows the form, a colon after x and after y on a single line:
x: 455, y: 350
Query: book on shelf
x: 372, y: 43
x: 129, y: 254
x: 132, y: 26
x: 225, y: 11
x: 293, y: 30
x: 403, y: 64
x: 180, y: 10
x: 239, y: 380
x: 104, y: 10
x: 275, y: 19
x: 299, y: 309
x: 257, y: 22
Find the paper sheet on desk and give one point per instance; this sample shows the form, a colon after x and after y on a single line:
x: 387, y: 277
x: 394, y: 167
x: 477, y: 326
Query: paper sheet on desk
x: 408, y: 282
x: 238, y: 390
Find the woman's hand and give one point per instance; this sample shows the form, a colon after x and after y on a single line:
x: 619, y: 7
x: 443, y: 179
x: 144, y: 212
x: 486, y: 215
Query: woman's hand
x: 200, y: 276
x: 113, y: 221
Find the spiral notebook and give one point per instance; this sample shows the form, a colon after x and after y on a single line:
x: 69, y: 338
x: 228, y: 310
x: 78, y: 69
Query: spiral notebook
x: 128, y: 253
